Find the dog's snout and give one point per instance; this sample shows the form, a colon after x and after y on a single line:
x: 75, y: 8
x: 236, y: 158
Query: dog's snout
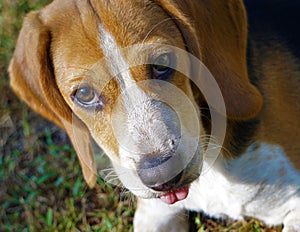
x: 160, y: 173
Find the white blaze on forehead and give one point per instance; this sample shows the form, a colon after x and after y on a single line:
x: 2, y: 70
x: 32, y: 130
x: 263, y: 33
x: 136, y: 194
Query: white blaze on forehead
x: 119, y: 68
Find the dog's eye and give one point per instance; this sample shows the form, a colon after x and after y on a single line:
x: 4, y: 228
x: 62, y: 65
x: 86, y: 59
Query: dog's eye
x: 87, y: 97
x: 161, y: 67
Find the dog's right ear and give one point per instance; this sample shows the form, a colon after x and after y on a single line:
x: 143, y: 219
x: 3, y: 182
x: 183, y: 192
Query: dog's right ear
x: 32, y: 78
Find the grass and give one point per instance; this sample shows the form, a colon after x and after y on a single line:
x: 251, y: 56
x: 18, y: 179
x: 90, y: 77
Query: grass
x: 41, y: 185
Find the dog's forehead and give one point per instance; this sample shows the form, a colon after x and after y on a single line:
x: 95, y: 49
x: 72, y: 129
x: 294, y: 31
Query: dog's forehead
x: 130, y: 21
x: 75, y: 26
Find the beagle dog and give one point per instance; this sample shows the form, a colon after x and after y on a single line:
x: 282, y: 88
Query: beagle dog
x: 196, y: 103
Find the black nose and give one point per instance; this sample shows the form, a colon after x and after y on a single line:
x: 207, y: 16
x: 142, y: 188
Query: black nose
x: 160, y: 173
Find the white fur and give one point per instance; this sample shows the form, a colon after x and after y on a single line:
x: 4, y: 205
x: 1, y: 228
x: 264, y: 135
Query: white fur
x: 133, y: 106
x: 261, y: 183
x: 120, y: 70
x: 154, y: 216
x: 115, y: 59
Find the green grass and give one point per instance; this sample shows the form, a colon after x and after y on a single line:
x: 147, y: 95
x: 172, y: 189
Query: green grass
x: 41, y: 185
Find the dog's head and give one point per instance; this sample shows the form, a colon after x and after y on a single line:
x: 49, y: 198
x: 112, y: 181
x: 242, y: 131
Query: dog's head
x: 120, y: 71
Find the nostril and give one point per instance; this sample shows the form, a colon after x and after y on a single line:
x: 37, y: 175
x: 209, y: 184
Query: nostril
x: 173, y: 143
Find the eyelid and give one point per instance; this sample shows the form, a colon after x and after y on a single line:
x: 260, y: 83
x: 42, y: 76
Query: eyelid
x: 80, y: 85
x: 172, y: 55
x: 158, y: 52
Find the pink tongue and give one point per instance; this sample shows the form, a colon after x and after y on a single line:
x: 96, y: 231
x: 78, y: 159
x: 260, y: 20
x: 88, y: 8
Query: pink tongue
x: 174, y: 196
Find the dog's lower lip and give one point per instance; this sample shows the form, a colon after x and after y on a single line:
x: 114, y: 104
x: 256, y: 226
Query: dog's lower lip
x: 175, y: 195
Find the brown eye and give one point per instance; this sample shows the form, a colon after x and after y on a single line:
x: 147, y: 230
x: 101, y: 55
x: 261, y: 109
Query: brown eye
x: 161, y: 67
x: 87, y: 97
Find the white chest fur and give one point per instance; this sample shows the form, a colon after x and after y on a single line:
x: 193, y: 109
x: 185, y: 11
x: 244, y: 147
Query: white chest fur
x: 261, y: 183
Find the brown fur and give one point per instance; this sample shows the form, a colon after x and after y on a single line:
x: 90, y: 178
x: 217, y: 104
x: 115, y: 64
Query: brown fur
x: 281, y: 112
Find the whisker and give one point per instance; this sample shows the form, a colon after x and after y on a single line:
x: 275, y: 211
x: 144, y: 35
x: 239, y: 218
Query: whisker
x: 111, y: 180
x: 111, y: 174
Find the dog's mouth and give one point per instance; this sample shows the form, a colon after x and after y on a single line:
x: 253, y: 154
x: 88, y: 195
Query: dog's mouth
x: 171, y: 192
x: 175, y: 195
x: 177, y: 189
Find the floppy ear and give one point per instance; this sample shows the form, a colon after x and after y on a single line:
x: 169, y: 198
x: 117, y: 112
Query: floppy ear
x: 32, y: 79
x: 216, y: 33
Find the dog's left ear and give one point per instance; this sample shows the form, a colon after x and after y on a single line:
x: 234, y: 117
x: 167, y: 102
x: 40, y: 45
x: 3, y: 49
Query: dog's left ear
x: 216, y: 33
x: 32, y: 78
